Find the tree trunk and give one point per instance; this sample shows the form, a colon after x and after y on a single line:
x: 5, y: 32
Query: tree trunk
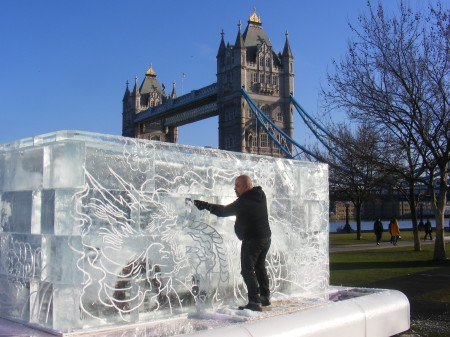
x: 439, y: 204
x: 358, y: 221
x: 439, y: 244
x: 413, y: 204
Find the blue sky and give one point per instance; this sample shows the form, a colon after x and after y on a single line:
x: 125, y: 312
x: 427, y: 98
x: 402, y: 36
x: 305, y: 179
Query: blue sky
x: 64, y: 64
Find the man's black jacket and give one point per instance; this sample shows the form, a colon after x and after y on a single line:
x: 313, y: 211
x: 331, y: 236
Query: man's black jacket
x: 252, y: 221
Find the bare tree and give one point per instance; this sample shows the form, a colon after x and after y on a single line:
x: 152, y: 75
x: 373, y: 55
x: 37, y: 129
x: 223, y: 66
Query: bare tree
x: 404, y: 162
x: 396, y: 73
x: 354, y: 172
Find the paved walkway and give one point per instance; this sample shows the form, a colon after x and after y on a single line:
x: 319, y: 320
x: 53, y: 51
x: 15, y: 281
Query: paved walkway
x: 384, y: 244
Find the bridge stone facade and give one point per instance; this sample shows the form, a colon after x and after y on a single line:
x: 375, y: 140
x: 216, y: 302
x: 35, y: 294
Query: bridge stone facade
x: 268, y: 77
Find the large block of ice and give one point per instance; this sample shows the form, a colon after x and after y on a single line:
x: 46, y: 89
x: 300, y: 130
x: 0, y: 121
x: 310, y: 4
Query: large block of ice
x: 98, y: 231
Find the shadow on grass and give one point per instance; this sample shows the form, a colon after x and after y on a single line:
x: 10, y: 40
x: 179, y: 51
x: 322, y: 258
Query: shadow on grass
x: 334, y: 266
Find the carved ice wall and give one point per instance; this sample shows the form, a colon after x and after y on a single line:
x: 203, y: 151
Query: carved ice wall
x: 98, y: 230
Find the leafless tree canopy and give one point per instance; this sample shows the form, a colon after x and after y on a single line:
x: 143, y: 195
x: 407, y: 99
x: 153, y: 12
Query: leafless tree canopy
x: 355, y: 173
x: 396, y: 76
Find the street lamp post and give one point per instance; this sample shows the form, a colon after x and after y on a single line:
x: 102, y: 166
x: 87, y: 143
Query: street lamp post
x: 347, y: 225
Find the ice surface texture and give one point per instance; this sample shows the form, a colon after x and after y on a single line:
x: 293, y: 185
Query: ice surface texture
x: 98, y: 230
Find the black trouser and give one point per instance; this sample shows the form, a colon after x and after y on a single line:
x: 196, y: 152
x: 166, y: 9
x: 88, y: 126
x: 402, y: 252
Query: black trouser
x: 378, y: 235
x: 394, y: 239
x: 253, y: 268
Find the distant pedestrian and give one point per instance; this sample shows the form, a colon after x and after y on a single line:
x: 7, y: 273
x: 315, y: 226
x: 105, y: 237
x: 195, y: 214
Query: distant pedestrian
x: 394, y: 230
x: 378, y: 230
x: 428, y: 230
x: 421, y: 225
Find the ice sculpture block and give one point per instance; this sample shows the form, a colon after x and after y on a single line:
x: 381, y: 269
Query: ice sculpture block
x: 99, y: 231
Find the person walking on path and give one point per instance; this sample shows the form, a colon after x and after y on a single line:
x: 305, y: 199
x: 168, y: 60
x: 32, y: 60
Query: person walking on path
x: 378, y: 230
x: 421, y: 225
x: 428, y: 230
x: 394, y: 230
x: 252, y: 228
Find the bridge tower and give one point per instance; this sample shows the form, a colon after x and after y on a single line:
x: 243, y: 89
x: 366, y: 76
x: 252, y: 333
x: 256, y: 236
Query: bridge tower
x: 149, y: 94
x: 268, y: 77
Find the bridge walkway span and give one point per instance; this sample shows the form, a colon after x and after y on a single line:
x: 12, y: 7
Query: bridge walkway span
x: 194, y: 106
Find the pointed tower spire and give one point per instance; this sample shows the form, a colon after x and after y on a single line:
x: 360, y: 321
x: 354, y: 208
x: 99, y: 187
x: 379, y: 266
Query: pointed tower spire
x: 174, y: 91
x: 136, y: 95
x: 136, y: 87
x: 239, y: 39
x: 287, y: 48
x: 127, y: 92
x: 222, y: 48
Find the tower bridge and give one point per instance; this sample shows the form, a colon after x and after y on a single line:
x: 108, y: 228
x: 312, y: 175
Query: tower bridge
x: 250, y: 63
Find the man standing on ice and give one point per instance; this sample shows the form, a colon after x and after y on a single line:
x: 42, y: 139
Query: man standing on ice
x: 252, y: 228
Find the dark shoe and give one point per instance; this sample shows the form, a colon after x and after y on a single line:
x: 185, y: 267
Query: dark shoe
x: 265, y: 302
x: 251, y: 306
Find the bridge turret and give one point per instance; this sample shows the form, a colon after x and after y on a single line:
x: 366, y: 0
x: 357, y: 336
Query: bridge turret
x: 251, y: 63
x: 136, y: 95
x: 127, y: 94
x: 128, y: 113
x: 287, y: 48
x: 239, y: 57
x: 174, y: 91
x: 240, y: 54
x: 221, y: 61
x: 148, y: 96
x: 239, y: 44
x: 287, y: 60
x: 221, y: 52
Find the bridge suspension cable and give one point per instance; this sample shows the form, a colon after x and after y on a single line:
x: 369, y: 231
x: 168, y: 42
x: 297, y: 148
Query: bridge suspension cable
x: 289, y: 145
x: 309, y: 121
x: 286, y: 144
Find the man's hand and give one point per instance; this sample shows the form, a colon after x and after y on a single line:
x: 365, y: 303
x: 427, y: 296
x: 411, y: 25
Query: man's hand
x: 201, y: 205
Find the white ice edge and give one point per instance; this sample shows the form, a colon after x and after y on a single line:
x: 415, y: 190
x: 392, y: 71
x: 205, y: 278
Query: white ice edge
x: 384, y: 313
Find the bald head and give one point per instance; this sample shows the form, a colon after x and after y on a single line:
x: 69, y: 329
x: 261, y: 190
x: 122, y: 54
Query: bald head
x: 242, y: 184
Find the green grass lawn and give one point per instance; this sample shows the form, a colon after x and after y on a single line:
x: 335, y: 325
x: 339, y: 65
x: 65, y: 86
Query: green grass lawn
x: 360, y: 267
x: 357, y: 268
x: 350, y: 239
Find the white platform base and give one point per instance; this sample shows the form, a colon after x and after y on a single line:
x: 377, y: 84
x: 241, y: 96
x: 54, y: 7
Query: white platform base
x: 383, y: 313
x: 344, y: 312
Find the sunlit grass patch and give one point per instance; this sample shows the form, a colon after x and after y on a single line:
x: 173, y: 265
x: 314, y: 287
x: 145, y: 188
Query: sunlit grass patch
x: 356, y: 268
